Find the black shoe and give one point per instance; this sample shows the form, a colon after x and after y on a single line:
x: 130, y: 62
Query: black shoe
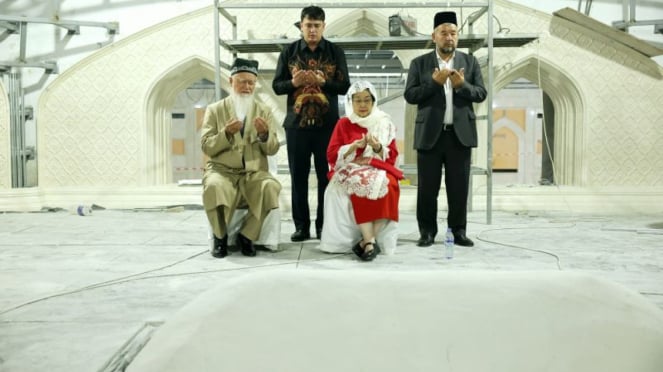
x: 358, y: 249
x: 461, y: 239
x: 300, y: 236
x: 426, y: 240
x: 246, y: 245
x: 318, y: 233
x: 369, y: 255
x: 220, y: 249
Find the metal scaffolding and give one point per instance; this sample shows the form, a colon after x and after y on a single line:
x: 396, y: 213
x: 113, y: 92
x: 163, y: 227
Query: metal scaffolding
x: 470, y: 41
x: 18, y: 112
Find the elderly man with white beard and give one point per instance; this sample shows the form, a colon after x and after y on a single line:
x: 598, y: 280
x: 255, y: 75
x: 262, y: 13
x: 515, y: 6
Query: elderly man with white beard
x: 238, y: 134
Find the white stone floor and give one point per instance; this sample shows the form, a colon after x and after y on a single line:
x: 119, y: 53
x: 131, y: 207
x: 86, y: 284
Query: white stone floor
x: 77, y: 290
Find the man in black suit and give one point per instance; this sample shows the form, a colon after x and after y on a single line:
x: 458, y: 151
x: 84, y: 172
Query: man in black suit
x: 444, y: 84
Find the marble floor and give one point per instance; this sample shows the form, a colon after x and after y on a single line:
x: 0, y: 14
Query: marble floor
x: 78, y: 292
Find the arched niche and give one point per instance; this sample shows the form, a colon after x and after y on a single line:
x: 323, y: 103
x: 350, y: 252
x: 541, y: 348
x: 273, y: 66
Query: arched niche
x: 160, y: 100
x: 569, y: 109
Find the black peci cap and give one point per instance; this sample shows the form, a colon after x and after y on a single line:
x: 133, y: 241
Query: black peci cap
x: 445, y: 17
x: 244, y: 65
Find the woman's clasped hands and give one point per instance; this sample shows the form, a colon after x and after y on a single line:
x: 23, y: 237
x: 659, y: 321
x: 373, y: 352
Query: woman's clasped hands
x: 361, y: 143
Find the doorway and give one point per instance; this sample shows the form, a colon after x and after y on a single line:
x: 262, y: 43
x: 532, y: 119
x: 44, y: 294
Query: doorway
x: 187, y: 158
x: 518, y: 134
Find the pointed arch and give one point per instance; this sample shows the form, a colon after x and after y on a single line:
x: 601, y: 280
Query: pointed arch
x: 158, y: 104
x: 363, y: 22
x: 358, y: 21
x: 570, y: 115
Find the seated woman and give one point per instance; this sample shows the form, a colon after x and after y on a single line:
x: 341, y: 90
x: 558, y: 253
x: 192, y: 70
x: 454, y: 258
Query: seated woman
x: 361, y: 200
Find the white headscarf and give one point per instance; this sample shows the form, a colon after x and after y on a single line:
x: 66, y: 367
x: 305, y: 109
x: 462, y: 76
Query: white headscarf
x: 377, y: 122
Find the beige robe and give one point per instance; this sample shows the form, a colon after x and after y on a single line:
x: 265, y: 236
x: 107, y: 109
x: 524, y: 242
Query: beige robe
x: 237, y: 173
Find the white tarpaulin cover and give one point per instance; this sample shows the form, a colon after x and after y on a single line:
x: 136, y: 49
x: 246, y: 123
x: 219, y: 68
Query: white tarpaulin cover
x: 460, y: 321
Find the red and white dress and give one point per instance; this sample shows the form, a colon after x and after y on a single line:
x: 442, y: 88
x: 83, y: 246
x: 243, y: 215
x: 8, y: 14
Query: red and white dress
x: 361, y: 193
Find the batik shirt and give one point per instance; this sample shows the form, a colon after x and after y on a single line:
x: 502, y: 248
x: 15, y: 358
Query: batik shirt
x: 312, y: 107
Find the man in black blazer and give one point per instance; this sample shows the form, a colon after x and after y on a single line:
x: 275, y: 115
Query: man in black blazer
x: 444, y: 84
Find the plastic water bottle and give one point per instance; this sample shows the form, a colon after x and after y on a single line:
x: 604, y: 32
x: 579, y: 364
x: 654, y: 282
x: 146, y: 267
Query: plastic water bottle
x: 81, y: 210
x: 449, y: 244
